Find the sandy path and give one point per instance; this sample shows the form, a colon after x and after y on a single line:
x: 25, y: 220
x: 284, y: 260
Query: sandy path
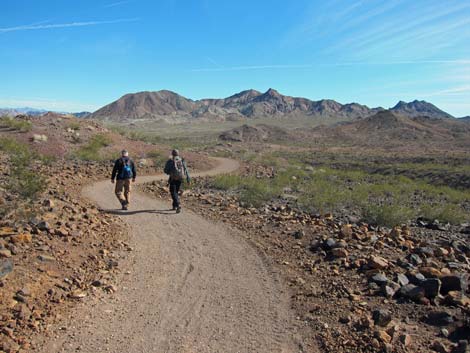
x: 194, y: 286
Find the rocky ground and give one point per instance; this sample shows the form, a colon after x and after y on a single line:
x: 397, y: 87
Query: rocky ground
x: 356, y: 287
x: 54, y: 255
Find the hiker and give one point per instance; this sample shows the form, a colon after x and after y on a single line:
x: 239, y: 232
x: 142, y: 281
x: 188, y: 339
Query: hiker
x: 123, y: 172
x: 176, y: 168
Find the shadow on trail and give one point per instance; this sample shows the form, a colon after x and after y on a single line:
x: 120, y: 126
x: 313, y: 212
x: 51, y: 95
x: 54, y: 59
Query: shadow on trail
x: 120, y: 212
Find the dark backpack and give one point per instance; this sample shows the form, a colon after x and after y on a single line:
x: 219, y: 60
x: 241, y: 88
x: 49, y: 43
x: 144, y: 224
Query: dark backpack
x: 126, y: 171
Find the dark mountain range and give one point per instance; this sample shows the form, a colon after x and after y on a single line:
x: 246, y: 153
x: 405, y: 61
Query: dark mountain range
x: 173, y: 108
x: 419, y: 108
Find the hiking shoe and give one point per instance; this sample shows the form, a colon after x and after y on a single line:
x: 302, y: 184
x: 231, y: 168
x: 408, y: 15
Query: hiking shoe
x: 178, y: 210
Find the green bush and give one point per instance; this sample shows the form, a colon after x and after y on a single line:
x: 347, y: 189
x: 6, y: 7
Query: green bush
x: 446, y: 213
x: 158, y: 157
x: 16, y: 124
x: 323, y: 195
x: 91, y: 151
x: 388, y: 215
x: 24, y: 180
x: 257, y: 192
x: 26, y: 183
x: 227, y: 182
x: 74, y: 125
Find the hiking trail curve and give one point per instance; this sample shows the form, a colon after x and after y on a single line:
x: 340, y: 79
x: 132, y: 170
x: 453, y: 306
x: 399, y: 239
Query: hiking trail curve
x: 191, y: 286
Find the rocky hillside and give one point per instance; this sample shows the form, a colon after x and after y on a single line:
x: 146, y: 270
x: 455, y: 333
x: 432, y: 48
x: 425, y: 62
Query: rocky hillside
x: 419, y: 108
x: 258, y: 133
x: 172, y: 108
x: 388, y: 128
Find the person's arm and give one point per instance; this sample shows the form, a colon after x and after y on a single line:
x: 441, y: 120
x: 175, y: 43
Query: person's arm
x: 134, y: 172
x: 115, y: 169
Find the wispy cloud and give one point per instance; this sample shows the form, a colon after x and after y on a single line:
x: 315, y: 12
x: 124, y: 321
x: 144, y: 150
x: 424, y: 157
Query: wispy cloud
x: 214, y: 62
x: 220, y: 68
x: 463, y: 62
x: 252, y: 67
x: 118, y: 3
x: 64, y: 25
x: 453, y: 91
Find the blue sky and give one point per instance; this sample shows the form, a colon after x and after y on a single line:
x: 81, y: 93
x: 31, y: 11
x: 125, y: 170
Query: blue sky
x: 81, y: 55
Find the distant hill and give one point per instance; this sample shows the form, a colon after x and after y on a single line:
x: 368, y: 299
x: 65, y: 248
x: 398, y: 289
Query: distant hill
x: 19, y: 111
x: 81, y: 114
x: 419, y: 108
x: 171, y: 107
x: 465, y: 118
x: 35, y: 112
x: 258, y: 133
x: 390, y: 128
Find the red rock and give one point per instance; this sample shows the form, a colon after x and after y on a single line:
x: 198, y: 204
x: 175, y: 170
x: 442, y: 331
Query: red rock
x: 377, y: 262
x: 340, y: 252
x: 405, y: 340
x: 383, y: 336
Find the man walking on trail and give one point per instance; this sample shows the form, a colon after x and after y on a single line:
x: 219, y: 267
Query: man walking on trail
x: 123, y: 172
x: 176, y: 168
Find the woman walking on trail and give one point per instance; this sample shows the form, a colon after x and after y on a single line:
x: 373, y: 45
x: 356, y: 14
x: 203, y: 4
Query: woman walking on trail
x: 177, y: 170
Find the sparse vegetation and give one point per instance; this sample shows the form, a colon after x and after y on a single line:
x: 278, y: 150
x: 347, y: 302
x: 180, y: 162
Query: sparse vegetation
x: 382, y: 200
x: 15, y: 124
x: 158, y: 157
x: 74, y: 125
x: 25, y: 181
x: 91, y: 151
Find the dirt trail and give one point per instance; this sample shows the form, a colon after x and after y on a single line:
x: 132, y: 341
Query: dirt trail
x: 194, y: 286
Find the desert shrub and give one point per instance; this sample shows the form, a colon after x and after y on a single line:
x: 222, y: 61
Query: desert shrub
x: 227, y: 182
x: 257, y: 192
x: 24, y: 181
x: 16, y: 124
x: 91, y: 151
x: 269, y: 161
x: 387, y: 215
x: 323, y: 195
x: 158, y: 157
x: 74, y: 125
x: 253, y: 192
x: 446, y: 213
x: 47, y: 160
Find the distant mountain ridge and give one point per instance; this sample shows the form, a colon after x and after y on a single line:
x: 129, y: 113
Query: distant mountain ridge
x: 35, y: 112
x: 419, y: 108
x: 250, y: 104
x: 391, y: 128
x: 18, y: 111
